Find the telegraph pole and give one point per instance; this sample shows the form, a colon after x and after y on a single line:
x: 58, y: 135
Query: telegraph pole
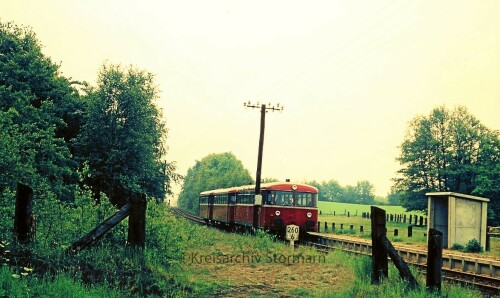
x: 263, y: 110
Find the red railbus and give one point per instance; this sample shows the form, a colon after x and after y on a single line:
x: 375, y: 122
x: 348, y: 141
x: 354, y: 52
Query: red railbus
x: 280, y: 204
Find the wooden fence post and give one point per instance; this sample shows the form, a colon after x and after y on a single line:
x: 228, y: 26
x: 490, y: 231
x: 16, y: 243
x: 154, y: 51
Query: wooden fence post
x: 380, y: 267
x: 319, y: 226
x: 488, y: 240
x: 434, y: 260
x: 137, y: 220
x: 23, y: 219
x: 410, y: 231
x: 326, y: 226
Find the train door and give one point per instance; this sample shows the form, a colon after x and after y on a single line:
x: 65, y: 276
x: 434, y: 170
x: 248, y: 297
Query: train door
x: 231, y: 209
x: 211, y: 200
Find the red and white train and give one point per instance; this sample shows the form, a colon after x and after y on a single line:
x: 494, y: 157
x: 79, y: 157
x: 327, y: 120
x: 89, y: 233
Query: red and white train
x: 280, y: 204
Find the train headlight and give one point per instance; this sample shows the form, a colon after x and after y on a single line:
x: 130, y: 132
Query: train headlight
x: 277, y: 213
x: 309, y: 214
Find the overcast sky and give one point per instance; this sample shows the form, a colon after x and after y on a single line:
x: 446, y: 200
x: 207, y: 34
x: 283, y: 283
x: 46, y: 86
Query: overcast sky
x: 351, y: 74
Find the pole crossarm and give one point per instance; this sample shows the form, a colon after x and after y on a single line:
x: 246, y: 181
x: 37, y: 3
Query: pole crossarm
x: 267, y: 107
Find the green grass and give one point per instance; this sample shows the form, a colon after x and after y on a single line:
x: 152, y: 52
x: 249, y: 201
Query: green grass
x: 174, y: 265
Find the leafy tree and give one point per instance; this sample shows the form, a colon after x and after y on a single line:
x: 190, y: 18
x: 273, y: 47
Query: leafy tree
x: 332, y: 191
x: 212, y: 172
x: 447, y: 151
x: 364, y: 192
x: 123, y: 137
x: 37, y: 105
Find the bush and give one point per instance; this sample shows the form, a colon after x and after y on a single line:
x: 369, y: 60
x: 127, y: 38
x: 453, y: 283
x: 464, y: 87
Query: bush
x: 473, y: 246
x: 457, y: 246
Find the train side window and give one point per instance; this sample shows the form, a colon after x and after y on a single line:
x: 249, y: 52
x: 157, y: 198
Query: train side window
x: 270, y: 197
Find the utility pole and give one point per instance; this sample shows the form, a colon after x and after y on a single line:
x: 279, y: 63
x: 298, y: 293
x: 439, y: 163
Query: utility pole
x: 263, y: 110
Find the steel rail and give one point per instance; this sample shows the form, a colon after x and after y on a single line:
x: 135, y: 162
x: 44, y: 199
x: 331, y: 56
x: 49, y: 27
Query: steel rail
x: 479, y: 272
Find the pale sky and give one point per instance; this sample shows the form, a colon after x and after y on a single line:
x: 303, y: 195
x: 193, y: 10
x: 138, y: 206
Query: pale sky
x: 351, y: 74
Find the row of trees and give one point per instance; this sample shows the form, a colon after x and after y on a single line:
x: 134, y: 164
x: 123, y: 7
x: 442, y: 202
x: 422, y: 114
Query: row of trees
x: 332, y: 191
x: 52, y: 127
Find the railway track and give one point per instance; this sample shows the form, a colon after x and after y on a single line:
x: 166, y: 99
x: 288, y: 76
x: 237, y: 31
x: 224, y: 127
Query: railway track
x: 187, y: 215
x: 484, y: 274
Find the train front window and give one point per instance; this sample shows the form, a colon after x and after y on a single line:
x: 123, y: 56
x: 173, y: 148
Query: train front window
x: 305, y: 199
x: 284, y: 198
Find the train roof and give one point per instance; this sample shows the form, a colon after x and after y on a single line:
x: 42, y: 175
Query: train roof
x: 263, y: 186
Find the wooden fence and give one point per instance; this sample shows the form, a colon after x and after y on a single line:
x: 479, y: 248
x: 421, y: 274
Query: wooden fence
x: 25, y: 221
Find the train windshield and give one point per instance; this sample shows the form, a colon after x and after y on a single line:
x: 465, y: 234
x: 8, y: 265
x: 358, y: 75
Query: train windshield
x: 305, y: 199
x: 289, y: 198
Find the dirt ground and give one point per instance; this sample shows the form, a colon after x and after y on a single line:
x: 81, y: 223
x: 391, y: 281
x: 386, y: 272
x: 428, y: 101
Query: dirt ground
x: 271, y: 277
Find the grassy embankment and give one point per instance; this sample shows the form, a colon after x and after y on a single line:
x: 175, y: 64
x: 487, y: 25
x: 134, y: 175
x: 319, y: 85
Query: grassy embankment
x: 185, y: 260
x: 342, y: 209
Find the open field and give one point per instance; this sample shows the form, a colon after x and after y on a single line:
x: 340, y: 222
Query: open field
x: 353, y: 209
x: 341, y: 219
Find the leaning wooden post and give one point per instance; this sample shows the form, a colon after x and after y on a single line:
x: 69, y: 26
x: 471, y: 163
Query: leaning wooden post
x: 380, y: 267
x: 23, y: 218
x: 404, y: 270
x: 137, y: 220
x: 96, y: 234
x: 434, y: 260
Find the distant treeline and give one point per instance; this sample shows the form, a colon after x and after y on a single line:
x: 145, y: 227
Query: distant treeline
x: 332, y: 191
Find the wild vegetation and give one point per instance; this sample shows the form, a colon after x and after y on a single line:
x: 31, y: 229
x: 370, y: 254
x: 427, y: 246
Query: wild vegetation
x: 184, y: 260
x: 51, y: 127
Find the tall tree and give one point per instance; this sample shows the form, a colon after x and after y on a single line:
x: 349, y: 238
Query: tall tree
x: 123, y: 137
x: 38, y: 106
x: 212, y: 172
x: 446, y: 151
